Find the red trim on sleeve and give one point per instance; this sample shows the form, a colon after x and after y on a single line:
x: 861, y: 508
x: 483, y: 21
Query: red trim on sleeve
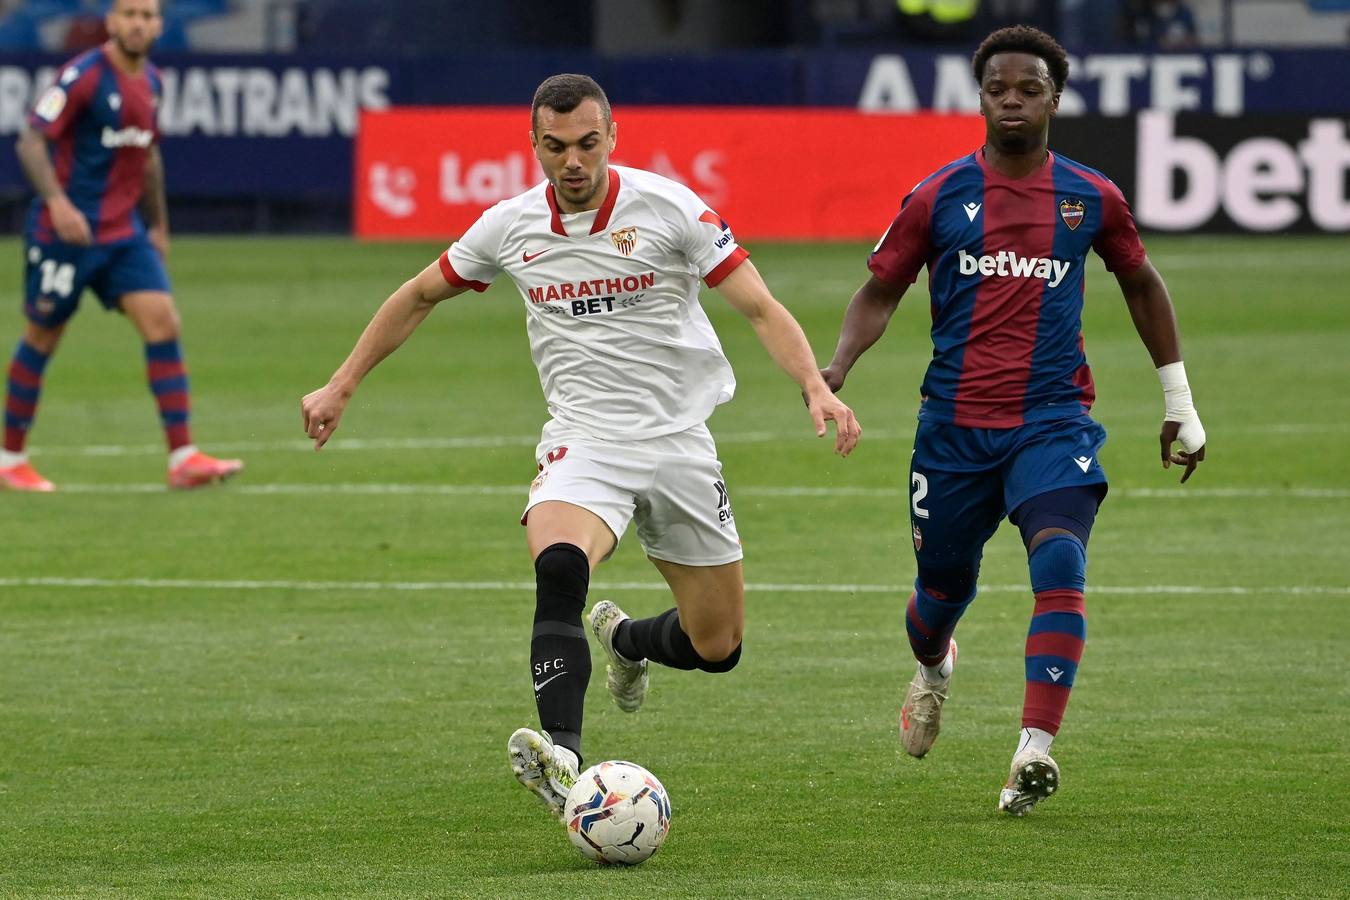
x: 455, y: 278
x: 725, y: 267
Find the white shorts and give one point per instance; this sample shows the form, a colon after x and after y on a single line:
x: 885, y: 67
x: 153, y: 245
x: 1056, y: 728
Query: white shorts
x: 671, y: 486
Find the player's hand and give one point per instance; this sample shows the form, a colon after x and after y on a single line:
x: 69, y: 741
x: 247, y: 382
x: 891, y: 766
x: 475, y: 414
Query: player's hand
x: 159, y: 239
x: 834, y: 379
x: 321, y: 411
x: 827, y: 407
x: 70, y: 224
x: 1191, y: 435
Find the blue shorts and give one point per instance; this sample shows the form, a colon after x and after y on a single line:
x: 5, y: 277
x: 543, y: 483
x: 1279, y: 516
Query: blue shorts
x: 963, y: 481
x: 57, y: 273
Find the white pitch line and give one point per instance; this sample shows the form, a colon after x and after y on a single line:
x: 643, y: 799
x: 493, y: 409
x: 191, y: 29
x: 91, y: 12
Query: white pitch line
x: 508, y: 490
x: 497, y: 441
x: 760, y: 587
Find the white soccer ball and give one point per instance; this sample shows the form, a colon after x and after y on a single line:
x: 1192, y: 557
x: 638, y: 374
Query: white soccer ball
x: 617, y: 813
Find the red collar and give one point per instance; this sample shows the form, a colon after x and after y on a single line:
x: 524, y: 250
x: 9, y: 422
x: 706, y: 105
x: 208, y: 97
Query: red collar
x: 601, y: 216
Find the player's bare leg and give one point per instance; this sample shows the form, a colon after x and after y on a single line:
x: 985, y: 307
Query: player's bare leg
x: 156, y: 318
x: 703, y: 630
x: 23, y: 387
x: 566, y: 542
x: 711, y: 604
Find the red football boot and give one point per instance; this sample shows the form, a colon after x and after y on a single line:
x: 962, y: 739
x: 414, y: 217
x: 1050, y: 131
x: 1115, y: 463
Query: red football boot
x: 199, y: 470
x: 23, y: 477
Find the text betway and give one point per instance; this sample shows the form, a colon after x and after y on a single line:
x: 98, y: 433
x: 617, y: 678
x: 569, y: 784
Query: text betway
x: 126, y: 137
x: 1005, y: 262
x: 593, y: 287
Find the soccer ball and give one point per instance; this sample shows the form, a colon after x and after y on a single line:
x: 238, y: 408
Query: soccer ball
x: 617, y: 813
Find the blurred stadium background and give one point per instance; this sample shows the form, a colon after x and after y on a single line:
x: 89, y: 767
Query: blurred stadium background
x: 264, y: 99
x: 301, y: 684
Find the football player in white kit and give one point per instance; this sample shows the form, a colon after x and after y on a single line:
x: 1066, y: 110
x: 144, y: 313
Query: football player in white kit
x: 607, y: 260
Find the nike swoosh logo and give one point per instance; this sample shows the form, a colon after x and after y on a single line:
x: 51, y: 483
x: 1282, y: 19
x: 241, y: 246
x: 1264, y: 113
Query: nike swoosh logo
x: 526, y: 256
x: 539, y: 685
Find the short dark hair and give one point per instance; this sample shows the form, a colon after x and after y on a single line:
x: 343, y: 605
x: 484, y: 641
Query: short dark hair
x: 564, y: 93
x: 1024, y: 39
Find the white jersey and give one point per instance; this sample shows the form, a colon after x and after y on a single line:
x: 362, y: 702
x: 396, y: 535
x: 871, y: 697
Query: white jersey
x: 623, y: 348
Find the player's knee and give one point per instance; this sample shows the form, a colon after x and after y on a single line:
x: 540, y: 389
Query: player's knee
x: 562, y: 572
x: 717, y: 643
x: 1058, y: 562
x: 43, y: 339
x: 951, y: 583
x: 720, y: 654
x: 166, y: 326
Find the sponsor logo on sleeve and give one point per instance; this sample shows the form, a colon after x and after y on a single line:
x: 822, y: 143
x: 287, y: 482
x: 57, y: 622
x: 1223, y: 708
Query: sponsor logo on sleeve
x: 717, y: 221
x: 52, y: 103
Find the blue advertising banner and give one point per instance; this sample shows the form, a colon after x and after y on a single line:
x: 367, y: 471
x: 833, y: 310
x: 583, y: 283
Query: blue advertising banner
x: 1231, y: 83
x: 281, y: 127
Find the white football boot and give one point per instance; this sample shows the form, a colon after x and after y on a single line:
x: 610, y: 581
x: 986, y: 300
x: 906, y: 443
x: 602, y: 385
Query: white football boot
x: 921, y: 714
x: 543, y: 767
x: 1034, y: 777
x: 627, y: 680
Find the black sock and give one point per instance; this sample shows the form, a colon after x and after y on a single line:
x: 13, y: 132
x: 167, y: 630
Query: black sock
x: 560, y: 657
x: 660, y: 639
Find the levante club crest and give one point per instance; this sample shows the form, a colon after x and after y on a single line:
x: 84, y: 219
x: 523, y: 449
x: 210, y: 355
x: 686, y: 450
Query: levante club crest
x: 625, y: 239
x: 1072, y: 210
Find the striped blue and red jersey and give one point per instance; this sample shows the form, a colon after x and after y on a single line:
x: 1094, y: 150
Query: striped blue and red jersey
x: 1005, y: 264
x: 99, y: 123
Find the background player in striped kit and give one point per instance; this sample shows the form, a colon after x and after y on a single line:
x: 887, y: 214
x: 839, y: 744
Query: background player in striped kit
x: 100, y: 221
x: 607, y: 261
x: 1004, y: 426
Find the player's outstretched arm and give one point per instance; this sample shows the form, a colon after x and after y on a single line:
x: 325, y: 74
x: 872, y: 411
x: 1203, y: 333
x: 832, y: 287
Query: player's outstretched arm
x: 1156, y: 322
x: 865, y: 322
x: 780, y: 334
x: 396, y: 319
x: 70, y: 224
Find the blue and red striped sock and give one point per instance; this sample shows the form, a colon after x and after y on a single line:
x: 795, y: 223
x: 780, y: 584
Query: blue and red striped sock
x: 1058, y: 630
x: 22, y: 389
x: 169, y: 383
x: 930, y: 622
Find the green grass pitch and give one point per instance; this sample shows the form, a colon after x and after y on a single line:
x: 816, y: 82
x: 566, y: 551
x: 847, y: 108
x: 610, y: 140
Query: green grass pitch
x: 302, y: 684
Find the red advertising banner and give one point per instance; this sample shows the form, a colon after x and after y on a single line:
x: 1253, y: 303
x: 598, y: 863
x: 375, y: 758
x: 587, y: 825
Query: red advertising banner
x: 771, y: 173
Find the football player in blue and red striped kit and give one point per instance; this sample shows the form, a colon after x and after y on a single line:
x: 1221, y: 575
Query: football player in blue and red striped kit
x: 1003, y: 427
x: 100, y: 221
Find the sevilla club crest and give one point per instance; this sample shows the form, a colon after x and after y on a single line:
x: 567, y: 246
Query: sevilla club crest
x: 1072, y: 210
x: 625, y: 239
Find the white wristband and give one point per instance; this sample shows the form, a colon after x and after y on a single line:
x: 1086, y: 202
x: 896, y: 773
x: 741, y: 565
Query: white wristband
x: 1179, y: 406
x: 1176, y: 391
